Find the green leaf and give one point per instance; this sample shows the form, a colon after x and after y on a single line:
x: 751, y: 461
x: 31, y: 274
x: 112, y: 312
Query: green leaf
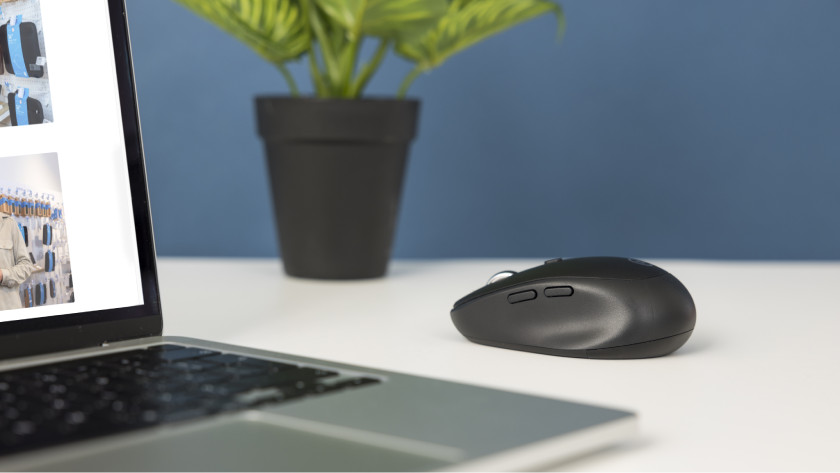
x: 343, y: 12
x: 277, y: 30
x: 383, y: 18
x: 468, y: 22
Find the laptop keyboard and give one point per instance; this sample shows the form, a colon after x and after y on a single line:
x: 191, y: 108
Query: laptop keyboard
x: 90, y: 397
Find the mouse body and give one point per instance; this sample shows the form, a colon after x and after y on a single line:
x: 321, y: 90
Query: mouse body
x: 595, y: 307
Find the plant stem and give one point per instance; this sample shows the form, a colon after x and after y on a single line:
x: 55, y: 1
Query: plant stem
x: 293, y: 88
x: 369, y: 69
x: 406, y: 84
x: 348, y: 67
x: 328, y: 55
x: 317, y: 77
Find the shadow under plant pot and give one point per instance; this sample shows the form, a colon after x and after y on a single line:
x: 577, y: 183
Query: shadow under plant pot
x: 336, y: 169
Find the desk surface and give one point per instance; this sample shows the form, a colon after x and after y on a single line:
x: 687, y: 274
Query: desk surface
x: 755, y: 388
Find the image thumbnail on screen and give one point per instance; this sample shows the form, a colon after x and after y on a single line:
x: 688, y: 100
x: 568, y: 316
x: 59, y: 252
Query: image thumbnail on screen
x: 24, y: 80
x: 34, y: 253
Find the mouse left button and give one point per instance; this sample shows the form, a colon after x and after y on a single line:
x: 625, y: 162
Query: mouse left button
x: 521, y: 296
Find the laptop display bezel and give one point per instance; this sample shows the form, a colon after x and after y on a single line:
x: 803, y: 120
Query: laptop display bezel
x: 82, y: 330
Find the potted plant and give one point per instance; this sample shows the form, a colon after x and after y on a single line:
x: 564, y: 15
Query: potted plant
x: 336, y: 160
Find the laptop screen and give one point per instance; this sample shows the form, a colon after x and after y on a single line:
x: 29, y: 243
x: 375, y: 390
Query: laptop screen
x: 68, y: 242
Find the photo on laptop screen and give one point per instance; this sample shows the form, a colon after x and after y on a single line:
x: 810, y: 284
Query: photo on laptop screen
x: 34, y: 251
x: 25, y: 97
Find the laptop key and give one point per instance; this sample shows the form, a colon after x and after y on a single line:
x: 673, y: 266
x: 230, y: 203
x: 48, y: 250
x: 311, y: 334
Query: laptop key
x: 185, y: 354
x: 226, y: 359
x: 286, y: 378
x: 240, y: 372
x: 208, y: 378
x: 227, y: 389
x: 237, y: 360
x: 194, y: 365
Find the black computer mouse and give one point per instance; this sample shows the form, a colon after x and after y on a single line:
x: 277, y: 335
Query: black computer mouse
x: 598, y: 307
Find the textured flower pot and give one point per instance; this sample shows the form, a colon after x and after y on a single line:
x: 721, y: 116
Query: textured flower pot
x: 336, y: 170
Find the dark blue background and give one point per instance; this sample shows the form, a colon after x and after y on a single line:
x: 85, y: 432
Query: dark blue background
x: 699, y: 129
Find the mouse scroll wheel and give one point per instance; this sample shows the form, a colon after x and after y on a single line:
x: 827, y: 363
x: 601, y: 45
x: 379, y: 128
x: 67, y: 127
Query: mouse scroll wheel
x: 499, y: 276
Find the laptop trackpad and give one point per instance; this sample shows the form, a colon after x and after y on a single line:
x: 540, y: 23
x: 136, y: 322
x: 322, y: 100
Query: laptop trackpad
x: 258, y: 442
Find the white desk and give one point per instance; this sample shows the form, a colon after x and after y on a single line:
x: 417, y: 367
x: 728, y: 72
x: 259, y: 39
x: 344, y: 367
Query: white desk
x: 757, y: 387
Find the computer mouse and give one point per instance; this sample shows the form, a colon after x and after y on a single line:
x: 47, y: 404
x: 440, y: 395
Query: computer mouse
x: 595, y: 307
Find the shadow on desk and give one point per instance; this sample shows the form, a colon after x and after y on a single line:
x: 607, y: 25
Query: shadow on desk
x: 693, y: 346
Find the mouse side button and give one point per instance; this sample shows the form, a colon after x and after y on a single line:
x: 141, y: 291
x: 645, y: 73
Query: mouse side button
x: 522, y: 296
x: 559, y: 291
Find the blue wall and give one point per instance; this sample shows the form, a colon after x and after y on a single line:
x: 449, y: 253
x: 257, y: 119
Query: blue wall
x: 700, y: 129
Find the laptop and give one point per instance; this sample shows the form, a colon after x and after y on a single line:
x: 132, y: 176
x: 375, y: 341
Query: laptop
x: 87, y: 382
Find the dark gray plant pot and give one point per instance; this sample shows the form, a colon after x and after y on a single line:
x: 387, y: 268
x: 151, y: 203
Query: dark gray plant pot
x: 336, y: 170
